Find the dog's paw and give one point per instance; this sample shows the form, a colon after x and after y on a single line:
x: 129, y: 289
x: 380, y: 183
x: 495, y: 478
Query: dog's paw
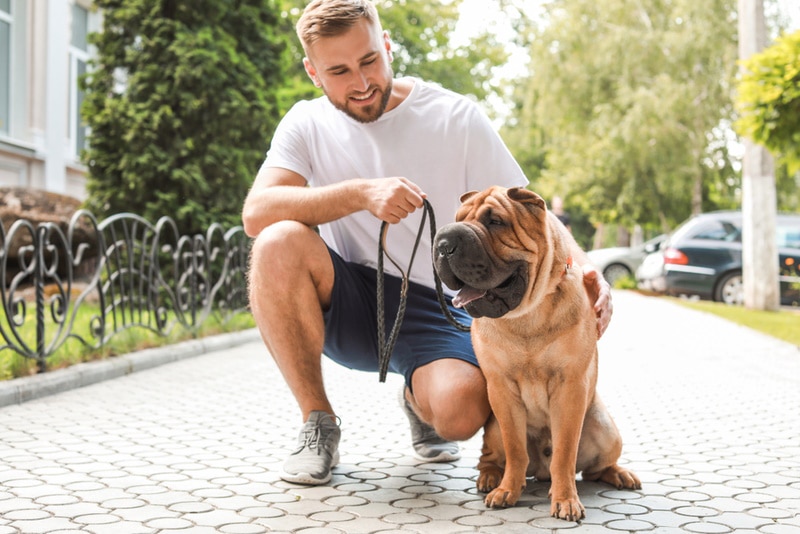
x: 621, y: 478
x: 567, y: 509
x: 489, y: 478
x: 502, y: 498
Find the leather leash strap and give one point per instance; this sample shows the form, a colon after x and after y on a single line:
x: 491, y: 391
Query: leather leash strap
x: 386, y: 346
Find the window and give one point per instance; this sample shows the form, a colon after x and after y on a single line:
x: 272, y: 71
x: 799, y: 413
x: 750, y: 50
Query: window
x: 78, y: 57
x: 5, y: 65
x: 789, y: 233
x: 719, y: 230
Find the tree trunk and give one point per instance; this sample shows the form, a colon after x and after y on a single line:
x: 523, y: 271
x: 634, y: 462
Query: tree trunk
x: 697, y: 194
x: 599, y: 236
x: 759, y: 206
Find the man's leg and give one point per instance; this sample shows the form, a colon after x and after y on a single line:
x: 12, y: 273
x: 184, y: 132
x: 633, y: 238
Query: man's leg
x: 450, y: 395
x: 449, y: 404
x: 290, y: 282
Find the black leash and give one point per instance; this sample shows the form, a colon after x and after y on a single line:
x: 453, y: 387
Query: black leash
x: 385, y: 347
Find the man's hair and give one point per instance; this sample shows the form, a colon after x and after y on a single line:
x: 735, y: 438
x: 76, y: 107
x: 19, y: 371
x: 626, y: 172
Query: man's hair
x: 330, y: 18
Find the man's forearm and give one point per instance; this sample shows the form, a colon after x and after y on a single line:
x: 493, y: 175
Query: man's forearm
x: 308, y: 205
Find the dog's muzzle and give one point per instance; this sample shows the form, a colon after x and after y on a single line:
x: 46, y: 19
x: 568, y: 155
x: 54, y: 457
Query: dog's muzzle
x: 487, y: 287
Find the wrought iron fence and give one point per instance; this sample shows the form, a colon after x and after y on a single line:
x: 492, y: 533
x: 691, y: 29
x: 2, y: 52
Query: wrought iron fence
x: 137, y: 274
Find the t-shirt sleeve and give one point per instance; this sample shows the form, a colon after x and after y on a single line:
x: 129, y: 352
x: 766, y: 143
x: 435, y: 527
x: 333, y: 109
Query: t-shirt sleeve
x: 289, y: 148
x: 490, y: 161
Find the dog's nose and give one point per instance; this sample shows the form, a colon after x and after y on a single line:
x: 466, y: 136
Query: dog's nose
x: 446, y: 246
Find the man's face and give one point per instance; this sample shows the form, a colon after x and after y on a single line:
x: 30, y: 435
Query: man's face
x: 353, y: 70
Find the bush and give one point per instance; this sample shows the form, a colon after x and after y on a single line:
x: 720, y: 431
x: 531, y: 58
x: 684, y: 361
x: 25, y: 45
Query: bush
x: 181, y: 103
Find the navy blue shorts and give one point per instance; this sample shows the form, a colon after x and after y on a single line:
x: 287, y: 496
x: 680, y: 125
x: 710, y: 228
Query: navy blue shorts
x: 351, y: 337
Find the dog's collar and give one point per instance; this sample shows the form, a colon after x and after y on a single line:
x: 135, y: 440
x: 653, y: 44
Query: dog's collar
x: 568, y: 266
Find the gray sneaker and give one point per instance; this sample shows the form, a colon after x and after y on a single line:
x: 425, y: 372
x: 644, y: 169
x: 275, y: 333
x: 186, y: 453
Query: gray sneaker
x: 317, y: 451
x: 428, y: 445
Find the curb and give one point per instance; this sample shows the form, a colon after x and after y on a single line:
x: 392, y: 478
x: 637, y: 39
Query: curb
x: 19, y: 390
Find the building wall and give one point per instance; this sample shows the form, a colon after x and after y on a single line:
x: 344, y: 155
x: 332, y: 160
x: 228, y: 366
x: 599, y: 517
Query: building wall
x: 39, y: 127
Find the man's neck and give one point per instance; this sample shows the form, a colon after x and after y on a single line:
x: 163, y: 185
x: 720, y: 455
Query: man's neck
x: 401, y: 88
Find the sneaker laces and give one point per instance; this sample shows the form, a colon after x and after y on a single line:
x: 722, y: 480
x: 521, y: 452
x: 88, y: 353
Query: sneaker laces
x: 311, y: 437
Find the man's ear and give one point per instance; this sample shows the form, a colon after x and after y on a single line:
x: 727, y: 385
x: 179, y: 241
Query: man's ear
x: 311, y: 71
x: 387, y: 43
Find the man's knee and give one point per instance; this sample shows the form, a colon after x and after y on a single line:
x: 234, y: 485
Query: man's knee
x: 286, y: 249
x: 452, y: 397
x: 461, y: 423
x: 286, y: 256
x: 279, y: 240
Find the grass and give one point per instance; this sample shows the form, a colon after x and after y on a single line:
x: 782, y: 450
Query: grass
x: 783, y: 324
x: 13, y: 365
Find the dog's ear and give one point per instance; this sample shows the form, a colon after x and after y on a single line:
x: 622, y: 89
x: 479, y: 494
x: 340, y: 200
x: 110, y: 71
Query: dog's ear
x: 520, y: 194
x: 466, y: 196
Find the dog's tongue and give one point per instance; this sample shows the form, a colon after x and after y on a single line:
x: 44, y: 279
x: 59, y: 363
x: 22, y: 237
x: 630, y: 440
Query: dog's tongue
x: 466, y: 295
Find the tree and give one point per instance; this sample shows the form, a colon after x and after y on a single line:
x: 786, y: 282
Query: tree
x: 631, y: 101
x: 422, y: 32
x: 768, y: 100
x: 181, y: 103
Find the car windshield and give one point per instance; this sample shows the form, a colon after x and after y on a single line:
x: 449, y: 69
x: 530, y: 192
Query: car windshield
x: 728, y: 228
x: 711, y: 229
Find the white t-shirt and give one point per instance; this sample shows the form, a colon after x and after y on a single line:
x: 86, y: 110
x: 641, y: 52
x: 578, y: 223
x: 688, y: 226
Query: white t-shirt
x: 436, y: 138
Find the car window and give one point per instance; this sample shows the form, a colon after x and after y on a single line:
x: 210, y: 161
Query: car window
x: 717, y: 231
x: 788, y: 235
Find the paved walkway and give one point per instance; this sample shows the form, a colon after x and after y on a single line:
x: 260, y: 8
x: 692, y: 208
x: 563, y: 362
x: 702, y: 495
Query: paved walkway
x: 709, y: 411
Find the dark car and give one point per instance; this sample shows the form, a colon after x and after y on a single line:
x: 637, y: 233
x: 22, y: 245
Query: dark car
x: 703, y: 257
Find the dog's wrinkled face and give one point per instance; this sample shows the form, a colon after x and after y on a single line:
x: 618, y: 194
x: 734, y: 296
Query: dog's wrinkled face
x: 489, y: 253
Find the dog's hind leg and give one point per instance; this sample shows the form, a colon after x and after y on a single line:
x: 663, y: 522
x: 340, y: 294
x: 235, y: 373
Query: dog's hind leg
x: 617, y: 476
x: 600, y: 449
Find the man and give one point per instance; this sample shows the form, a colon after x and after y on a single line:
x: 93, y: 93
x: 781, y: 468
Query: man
x: 371, y: 150
x: 558, y: 209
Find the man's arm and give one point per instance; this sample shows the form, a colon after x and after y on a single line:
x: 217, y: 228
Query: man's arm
x: 280, y: 194
x: 596, y: 286
x: 599, y: 290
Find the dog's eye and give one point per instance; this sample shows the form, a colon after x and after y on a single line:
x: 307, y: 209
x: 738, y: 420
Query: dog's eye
x: 489, y: 219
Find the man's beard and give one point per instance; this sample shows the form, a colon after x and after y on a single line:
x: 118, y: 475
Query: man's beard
x: 369, y: 113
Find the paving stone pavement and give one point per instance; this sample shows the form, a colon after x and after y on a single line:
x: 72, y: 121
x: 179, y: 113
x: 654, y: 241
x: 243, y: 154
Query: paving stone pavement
x: 709, y: 411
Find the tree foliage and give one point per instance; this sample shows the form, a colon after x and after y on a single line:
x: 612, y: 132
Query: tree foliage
x: 422, y: 31
x: 181, y: 103
x: 768, y: 100
x: 627, y: 102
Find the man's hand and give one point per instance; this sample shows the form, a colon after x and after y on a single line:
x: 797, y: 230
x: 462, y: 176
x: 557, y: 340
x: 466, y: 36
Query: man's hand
x: 600, y: 292
x: 393, y: 199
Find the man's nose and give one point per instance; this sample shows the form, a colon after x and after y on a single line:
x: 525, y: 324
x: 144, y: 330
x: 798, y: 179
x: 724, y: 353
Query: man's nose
x: 361, y: 82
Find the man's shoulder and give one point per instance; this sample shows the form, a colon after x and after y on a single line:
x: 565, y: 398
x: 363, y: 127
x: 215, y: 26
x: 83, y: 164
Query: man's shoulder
x: 436, y: 91
x: 307, y: 108
x: 443, y: 102
x: 308, y: 116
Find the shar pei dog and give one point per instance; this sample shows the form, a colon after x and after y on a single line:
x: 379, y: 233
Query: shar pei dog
x: 535, y: 337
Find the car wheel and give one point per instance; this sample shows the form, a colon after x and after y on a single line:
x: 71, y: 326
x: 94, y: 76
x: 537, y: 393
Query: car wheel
x: 730, y: 289
x: 614, y: 272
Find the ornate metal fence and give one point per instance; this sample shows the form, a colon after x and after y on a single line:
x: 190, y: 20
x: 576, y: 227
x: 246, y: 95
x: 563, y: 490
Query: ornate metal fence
x: 137, y: 274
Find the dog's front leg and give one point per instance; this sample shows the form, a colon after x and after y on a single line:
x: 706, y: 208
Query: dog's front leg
x: 568, y: 406
x: 511, y: 417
